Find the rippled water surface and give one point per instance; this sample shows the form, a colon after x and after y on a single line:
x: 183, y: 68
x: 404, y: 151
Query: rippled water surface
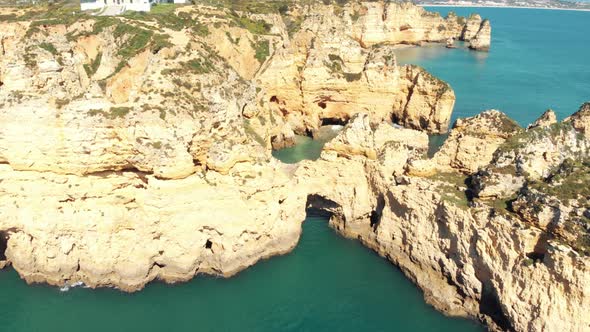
x: 539, y: 59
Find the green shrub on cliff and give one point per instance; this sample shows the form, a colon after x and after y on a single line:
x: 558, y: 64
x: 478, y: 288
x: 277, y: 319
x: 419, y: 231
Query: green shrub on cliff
x: 49, y: 48
x: 255, y: 27
x: 94, y: 64
x: 113, y: 113
x: 262, y: 50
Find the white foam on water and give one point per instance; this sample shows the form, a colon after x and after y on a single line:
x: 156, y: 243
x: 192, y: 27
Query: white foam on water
x: 67, y: 286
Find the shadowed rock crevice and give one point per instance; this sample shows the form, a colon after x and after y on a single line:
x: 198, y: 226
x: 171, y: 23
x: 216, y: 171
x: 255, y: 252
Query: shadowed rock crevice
x: 377, y: 214
x: 319, y: 206
x: 3, y: 245
x: 333, y: 122
x: 490, y: 306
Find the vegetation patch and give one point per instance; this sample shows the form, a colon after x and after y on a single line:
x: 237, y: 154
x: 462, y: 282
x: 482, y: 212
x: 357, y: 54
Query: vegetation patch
x: 262, y: 50
x: 49, y: 48
x: 113, y: 113
x: 94, y: 64
x: 355, y: 15
x: 60, y: 103
x: 293, y: 24
x: 571, y: 181
x: 525, y: 137
x: 156, y: 145
x: 452, y: 188
x: 198, y: 66
x: 351, y: 77
x: 255, y: 27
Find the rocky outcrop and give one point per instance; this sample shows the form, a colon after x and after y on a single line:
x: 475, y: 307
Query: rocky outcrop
x: 478, y: 32
x: 489, y: 259
x: 531, y: 155
x: 119, y: 150
x: 581, y: 120
x: 167, y: 110
x: 342, y: 62
x: 125, y: 229
x: 405, y: 23
x: 325, y: 78
x: 470, y: 145
x: 545, y: 120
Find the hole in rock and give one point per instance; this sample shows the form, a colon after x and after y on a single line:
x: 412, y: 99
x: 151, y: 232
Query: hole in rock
x: 423, y: 122
x: 490, y: 306
x: 322, y: 105
x: 3, y: 245
x: 319, y: 206
x: 208, y: 244
x: 536, y: 256
x: 378, y: 212
x: 274, y: 99
x: 396, y: 119
x: 333, y: 121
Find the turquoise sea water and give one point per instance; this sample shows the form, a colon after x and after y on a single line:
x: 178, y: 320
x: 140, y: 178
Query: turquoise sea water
x: 539, y: 59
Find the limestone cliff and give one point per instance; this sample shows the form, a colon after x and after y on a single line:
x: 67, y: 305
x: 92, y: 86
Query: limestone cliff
x: 129, y: 154
x: 495, y: 259
x: 342, y: 61
x: 105, y: 94
x: 126, y: 154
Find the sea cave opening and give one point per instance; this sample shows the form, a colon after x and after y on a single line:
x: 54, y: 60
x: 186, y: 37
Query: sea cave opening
x: 4, y: 236
x: 333, y: 122
x: 319, y: 206
x: 490, y: 305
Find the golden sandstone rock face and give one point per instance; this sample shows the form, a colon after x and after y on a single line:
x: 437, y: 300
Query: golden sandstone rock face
x: 338, y: 65
x: 122, y: 164
x: 125, y: 229
x: 486, y: 258
x: 164, y: 112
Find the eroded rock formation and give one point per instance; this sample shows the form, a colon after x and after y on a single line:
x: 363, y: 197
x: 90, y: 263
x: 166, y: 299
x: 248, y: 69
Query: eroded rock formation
x: 340, y: 64
x: 128, y: 155
x: 516, y: 262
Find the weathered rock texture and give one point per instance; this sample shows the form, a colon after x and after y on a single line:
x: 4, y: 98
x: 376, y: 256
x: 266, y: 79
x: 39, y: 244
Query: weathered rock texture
x: 126, y: 229
x: 491, y: 259
x: 126, y: 155
x: 342, y: 63
x: 470, y: 145
x: 404, y: 23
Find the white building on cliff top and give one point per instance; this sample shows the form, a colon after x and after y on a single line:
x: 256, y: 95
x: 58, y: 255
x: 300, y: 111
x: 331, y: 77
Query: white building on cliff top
x: 115, y: 7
